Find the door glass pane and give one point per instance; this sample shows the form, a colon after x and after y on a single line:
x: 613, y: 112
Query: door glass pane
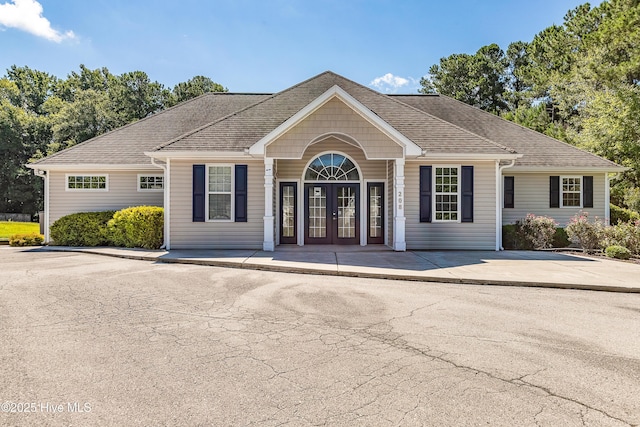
x: 375, y: 211
x: 346, y: 212
x: 317, y: 212
x: 288, y: 211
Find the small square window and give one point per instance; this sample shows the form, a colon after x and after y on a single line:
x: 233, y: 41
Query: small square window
x: 150, y: 182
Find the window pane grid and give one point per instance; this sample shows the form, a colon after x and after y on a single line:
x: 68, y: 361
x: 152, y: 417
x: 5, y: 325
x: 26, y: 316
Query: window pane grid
x: 346, y: 212
x: 220, y: 183
x: 446, y: 194
x: 288, y: 211
x: 151, y: 182
x: 332, y: 167
x: 317, y: 212
x: 571, y: 191
x: 375, y: 212
x: 87, y: 182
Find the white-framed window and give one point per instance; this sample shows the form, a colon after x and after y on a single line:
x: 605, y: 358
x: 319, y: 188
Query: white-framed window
x: 571, y: 191
x: 150, y: 182
x: 446, y: 200
x: 78, y: 182
x: 220, y: 182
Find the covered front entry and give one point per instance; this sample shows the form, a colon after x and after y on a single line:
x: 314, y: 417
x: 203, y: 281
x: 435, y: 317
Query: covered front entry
x: 332, y: 214
x: 331, y: 204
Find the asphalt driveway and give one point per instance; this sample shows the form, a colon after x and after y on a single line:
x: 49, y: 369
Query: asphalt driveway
x: 92, y: 340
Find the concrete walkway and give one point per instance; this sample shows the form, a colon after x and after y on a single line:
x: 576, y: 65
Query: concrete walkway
x: 507, y: 268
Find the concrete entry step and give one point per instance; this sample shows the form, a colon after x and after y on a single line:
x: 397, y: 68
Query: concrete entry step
x: 333, y: 248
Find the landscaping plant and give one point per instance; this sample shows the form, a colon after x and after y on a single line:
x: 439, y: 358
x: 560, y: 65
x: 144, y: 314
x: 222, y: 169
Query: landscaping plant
x: 31, y: 239
x: 584, y: 233
x: 138, y: 227
x: 537, y: 231
x: 618, y: 252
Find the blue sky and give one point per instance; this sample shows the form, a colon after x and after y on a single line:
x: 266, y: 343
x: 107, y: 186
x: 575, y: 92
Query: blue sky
x: 264, y: 45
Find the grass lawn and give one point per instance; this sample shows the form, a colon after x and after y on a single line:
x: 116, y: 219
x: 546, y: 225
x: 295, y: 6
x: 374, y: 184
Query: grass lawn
x: 9, y: 228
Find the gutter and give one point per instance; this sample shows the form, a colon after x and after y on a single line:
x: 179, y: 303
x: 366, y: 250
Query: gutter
x: 166, y: 202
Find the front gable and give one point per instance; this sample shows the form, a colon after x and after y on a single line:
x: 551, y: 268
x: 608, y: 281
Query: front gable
x: 335, y: 114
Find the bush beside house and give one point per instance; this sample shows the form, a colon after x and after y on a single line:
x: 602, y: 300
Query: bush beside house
x: 31, y: 239
x: 532, y: 232
x: 140, y: 226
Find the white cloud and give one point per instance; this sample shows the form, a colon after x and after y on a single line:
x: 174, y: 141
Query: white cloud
x: 391, y: 84
x: 26, y: 15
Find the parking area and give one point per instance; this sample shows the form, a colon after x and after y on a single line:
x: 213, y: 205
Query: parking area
x: 112, y: 341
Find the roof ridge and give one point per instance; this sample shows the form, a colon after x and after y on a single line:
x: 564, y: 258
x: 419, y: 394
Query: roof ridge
x: 203, y: 127
x: 528, y: 129
x: 501, y: 146
x: 119, y: 128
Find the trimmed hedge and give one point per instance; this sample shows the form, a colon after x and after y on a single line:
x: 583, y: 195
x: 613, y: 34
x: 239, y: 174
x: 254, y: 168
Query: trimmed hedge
x: 82, y: 229
x: 619, y: 215
x: 138, y: 227
x: 31, y: 239
x: 618, y: 252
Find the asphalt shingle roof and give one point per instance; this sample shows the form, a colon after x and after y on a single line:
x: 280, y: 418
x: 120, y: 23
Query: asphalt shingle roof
x: 244, y: 128
x: 126, y: 145
x: 234, y: 122
x: 539, y: 150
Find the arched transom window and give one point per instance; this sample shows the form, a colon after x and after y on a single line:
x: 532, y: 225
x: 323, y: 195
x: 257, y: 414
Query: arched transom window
x: 331, y: 167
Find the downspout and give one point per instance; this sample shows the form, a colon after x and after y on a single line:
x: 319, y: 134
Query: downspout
x: 45, y: 176
x: 500, y: 201
x: 165, y: 167
x: 607, y: 199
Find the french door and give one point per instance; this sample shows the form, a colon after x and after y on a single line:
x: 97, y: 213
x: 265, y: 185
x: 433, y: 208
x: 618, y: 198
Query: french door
x: 332, y: 214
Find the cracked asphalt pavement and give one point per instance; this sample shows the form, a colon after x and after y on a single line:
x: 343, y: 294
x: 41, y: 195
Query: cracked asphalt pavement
x: 136, y: 343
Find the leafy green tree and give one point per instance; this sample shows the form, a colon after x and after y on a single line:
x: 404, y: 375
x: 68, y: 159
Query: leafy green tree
x: 20, y: 190
x: 476, y: 79
x: 199, y: 85
x: 35, y: 87
x: 88, y: 116
x: 134, y: 96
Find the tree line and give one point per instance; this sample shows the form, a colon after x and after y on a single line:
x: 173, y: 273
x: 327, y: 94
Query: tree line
x: 578, y: 82
x: 41, y: 114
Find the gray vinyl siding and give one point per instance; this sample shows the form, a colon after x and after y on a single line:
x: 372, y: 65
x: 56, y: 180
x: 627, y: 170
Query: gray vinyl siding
x: 532, y: 196
x: 478, y: 235
x: 122, y: 193
x: 186, y: 234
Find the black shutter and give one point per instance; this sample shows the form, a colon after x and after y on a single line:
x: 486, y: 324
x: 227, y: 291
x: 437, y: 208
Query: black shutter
x: 554, y: 192
x: 425, y: 193
x: 198, y: 193
x: 241, y: 193
x: 509, y: 191
x: 467, y: 193
x: 587, y: 191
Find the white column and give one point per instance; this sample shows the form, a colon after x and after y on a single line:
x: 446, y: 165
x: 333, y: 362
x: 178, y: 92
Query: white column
x: 167, y: 205
x: 499, y: 205
x: 399, y: 233
x: 269, y: 221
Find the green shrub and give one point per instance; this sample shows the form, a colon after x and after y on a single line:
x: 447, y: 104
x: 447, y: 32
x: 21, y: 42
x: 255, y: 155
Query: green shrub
x: 619, y: 215
x: 82, y: 229
x: 560, y: 238
x: 618, y: 252
x: 588, y: 235
x: 138, y: 227
x: 511, y: 239
x: 31, y: 239
x: 536, y: 231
